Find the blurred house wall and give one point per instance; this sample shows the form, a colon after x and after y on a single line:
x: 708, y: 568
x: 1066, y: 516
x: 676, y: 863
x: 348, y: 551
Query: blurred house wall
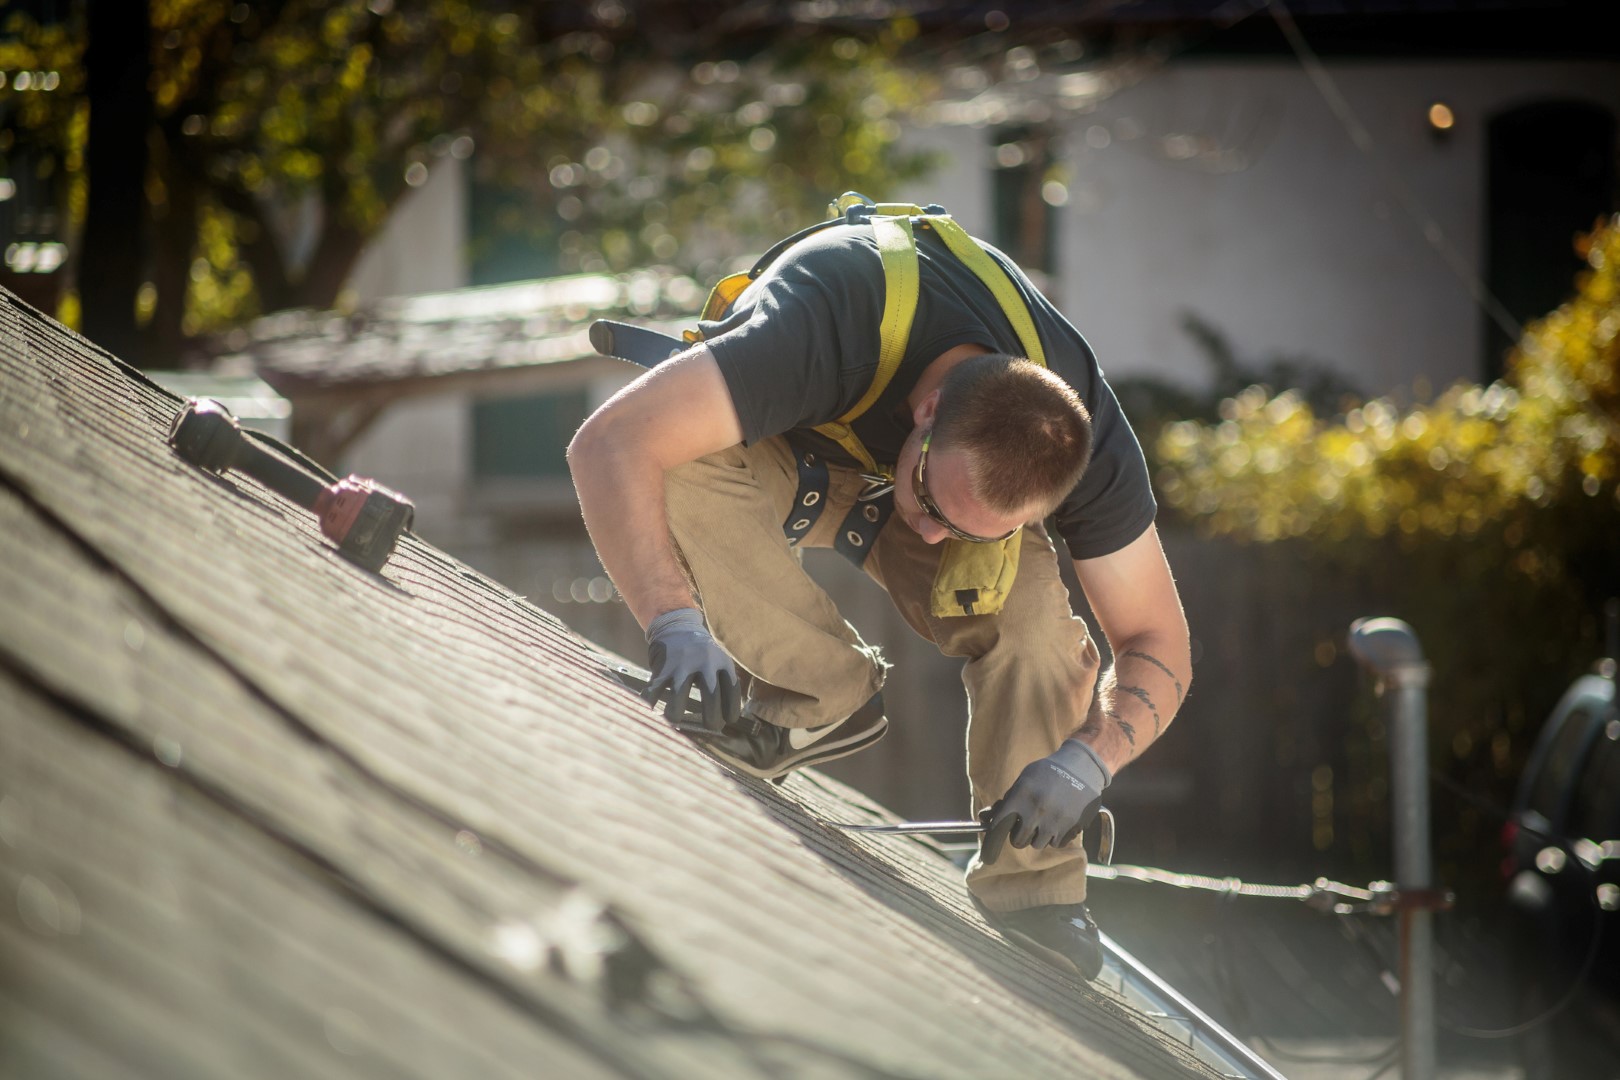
x: 1305, y: 249
x: 420, y: 446
x: 423, y: 248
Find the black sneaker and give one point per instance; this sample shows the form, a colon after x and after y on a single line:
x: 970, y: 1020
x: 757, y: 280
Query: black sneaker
x: 1063, y: 935
x: 769, y: 752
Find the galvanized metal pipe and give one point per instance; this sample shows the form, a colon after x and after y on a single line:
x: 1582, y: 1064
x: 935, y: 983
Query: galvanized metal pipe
x: 1391, y: 650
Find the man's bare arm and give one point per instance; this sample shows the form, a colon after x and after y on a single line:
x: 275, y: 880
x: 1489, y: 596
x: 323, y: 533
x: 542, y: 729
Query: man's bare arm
x: 1134, y: 598
x: 675, y: 413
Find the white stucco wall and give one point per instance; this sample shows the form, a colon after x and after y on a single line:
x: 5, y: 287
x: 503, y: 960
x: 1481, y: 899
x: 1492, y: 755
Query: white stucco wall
x: 423, y: 248
x: 963, y: 183
x: 1308, y: 251
x: 420, y: 447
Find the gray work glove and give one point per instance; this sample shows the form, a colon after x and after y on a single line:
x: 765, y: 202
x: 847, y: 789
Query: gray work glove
x: 1053, y: 801
x: 682, y: 654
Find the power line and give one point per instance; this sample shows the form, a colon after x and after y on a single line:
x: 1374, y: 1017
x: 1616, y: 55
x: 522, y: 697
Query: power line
x: 1364, y: 142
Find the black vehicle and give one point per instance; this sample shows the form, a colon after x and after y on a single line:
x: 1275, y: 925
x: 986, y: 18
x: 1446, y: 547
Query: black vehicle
x: 1563, y: 838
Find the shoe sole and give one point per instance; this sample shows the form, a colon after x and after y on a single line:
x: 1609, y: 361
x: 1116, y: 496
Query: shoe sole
x: 829, y: 749
x: 1034, y: 947
x: 1051, y: 956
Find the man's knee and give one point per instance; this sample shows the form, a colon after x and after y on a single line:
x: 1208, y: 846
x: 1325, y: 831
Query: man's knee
x: 1057, y: 642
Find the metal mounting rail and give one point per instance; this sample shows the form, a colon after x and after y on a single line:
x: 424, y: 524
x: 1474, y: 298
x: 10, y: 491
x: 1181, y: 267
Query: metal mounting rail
x: 1175, y: 1015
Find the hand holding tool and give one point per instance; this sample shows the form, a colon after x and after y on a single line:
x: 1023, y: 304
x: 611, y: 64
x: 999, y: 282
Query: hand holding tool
x: 361, y: 516
x: 1052, y: 801
x: 682, y: 654
x: 1104, y: 821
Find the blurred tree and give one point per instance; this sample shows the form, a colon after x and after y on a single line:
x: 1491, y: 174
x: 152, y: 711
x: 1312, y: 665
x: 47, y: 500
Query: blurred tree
x: 117, y: 69
x: 285, y: 131
x: 1152, y: 402
x: 1489, y: 519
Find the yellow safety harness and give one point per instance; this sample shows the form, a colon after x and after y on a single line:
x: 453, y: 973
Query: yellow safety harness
x: 973, y: 579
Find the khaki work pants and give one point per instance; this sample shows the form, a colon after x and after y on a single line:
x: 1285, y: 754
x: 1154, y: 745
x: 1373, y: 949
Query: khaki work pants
x: 1030, y: 670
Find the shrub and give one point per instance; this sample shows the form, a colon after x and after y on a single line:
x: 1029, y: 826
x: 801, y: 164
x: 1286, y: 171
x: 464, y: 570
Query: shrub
x: 1489, y: 518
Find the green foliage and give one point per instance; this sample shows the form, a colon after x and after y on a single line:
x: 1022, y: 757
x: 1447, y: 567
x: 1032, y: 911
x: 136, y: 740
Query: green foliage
x: 1488, y: 518
x: 1542, y: 444
x: 634, y: 143
x: 42, y: 99
x: 690, y: 166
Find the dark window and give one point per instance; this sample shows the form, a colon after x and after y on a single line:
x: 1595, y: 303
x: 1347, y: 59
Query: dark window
x: 526, y: 437
x: 1551, y: 177
x: 1025, y: 222
x: 511, y: 235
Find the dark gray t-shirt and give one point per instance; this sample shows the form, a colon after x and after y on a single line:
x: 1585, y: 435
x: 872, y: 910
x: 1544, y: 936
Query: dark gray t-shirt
x: 800, y: 348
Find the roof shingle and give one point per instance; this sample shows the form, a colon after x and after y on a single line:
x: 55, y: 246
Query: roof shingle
x: 266, y: 814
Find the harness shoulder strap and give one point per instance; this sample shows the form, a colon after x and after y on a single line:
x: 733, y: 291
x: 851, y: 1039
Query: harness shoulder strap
x: 975, y: 258
x: 897, y: 247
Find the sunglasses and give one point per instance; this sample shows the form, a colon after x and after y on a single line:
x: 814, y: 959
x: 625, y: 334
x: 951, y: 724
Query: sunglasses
x: 919, y: 488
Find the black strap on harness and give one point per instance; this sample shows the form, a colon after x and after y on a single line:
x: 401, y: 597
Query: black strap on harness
x: 860, y: 527
x: 809, y: 500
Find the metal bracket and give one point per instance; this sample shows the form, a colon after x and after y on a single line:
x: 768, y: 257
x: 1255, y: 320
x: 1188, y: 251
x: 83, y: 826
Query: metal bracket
x: 1388, y: 900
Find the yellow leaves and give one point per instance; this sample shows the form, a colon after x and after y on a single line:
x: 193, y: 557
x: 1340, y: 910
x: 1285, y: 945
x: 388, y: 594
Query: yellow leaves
x: 902, y: 30
x: 292, y: 51
x: 300, y: 166
x: 221, y: 292
x: 355, y: 67
x: 341, y: 25
x: 17, y: 56
x: 506, y: 27
x: 616, y: 247
x: 1548, y: 433
x: 70, y: 312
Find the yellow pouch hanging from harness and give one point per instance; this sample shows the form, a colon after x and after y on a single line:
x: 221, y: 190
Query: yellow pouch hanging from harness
x: 975, y: 579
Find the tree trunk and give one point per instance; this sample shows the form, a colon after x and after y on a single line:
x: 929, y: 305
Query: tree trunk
x: 110, y: 258
x: 336, y: 254
x: 175, y: 227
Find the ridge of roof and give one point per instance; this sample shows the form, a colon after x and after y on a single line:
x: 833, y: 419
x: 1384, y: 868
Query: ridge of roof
x: 268, y: 814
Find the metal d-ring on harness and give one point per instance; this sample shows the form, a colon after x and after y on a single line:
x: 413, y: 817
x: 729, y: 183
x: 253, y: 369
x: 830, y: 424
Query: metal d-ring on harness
x: 860, y: 527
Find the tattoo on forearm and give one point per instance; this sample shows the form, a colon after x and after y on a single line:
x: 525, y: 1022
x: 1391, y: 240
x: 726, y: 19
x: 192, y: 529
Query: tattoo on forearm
x: 1142, y: 695
x: 1126, y: 728
x: 1140, y: 655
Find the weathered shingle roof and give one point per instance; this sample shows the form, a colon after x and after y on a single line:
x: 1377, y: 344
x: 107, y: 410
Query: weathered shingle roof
x: 264, y: 814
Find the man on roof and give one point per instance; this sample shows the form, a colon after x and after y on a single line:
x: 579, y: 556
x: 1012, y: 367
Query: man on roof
x: 699, y: 479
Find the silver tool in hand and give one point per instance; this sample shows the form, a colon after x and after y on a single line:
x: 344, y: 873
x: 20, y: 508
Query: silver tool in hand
x: 1105, y: 831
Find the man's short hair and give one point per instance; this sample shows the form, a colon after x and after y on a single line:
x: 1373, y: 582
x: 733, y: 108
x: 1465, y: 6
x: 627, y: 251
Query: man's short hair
x: 1026, y: 432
